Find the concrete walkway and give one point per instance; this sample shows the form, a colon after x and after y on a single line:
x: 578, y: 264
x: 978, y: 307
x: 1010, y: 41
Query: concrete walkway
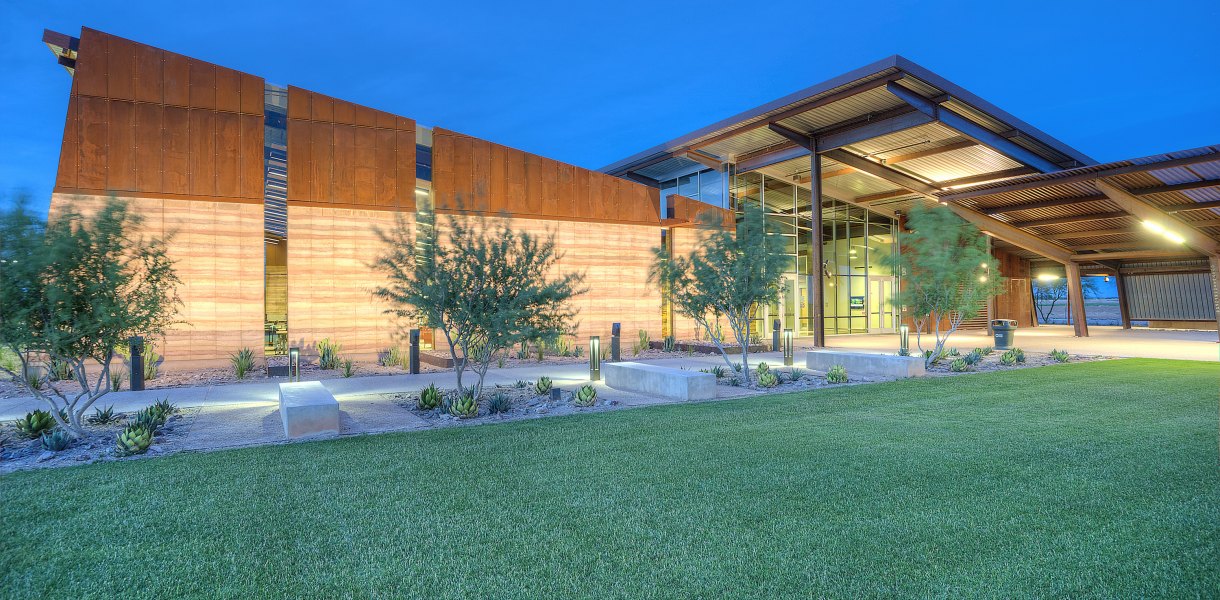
x: 1102, y: 341
x: 258, y: 396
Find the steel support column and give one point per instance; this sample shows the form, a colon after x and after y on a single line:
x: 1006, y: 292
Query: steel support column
x: 1076, y: 300
x: 817, y: 317
x: 1124, y: 313
x: 1214, y: 262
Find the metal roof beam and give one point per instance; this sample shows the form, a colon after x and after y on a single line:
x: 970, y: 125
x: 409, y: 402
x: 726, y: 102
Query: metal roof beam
x: 983, y: 177
x: 636, y: 177
x: 1132, y: 255
x: 1176, y: 187
x: 1073, y: 219
x: 1177, y: 208
x: 706, y: 160
x: 1090, y: 233
x: 1083, y: 176
x: 971, y: 129
x: 881, y: 171
x: 872, y: 129
x: 1141, y: 209
x: 1045, y: 204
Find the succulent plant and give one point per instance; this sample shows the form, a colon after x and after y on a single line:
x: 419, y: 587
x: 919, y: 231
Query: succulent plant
x: 1008, y: 359
x: 795, y: 374
x: 763, y: 368
x: 767, y: 378
x: 150, y: 418
x: 430, y: 398
x: 1019, y: 353
x: 668, y: 344
x: 34, y: 423
x: 543, y: 386
x: 987, y: 350
x: 55, y: 440
x: 974, y: 357
x: 117, y: 377
x: 585, y: 396
x: 1060, y: 356
x: 103, y: 417
x: 134, y: 439
x: 959, y: 365
x: 328, y: 354
x: 349, y: 368
x: 836, y: 374
x: 499, y: 403
x: 243, y: 362
x: 521, y: 384
x: 165, y: 407
x: 954, y: 352
x: 464, y: 406
x: 718, y: 371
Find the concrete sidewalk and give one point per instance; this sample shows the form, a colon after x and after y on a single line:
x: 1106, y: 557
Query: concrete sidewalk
x: 266, y: 392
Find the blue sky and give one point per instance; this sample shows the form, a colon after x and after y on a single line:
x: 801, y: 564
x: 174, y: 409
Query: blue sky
x: 588, y: 83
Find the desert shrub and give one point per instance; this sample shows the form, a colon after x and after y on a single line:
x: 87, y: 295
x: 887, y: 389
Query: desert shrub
x: 56, y: 441
x: 328, y: 354
x: 1060, y: 356
x: 59, y: 370
x: 429, y: 398
x: 103, y: 417
x: 134, y: 439
x: 464, y: 406
x: 669, y: 343
x: 349, y: 367
x: 959, y: 365
x: 543, y: 386
x: 767, y: 379
x: 499, y: 403
x: 243, y: 362
x: 836, y: 374
x: 35, y: 423
x: 585, y: 396
x: 393, y: 357
x: 641, y: 344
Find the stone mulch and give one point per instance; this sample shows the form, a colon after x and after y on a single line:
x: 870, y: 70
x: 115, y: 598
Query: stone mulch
x: 18, y: 452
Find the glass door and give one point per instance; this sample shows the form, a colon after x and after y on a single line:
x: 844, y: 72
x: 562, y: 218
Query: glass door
x: 880, y: 309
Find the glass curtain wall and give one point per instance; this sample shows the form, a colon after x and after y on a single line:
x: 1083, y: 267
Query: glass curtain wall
x: 275, y: 220
x: 858, y: 287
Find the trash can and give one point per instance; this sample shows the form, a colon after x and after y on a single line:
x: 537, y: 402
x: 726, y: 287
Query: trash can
x: 1004, y: 331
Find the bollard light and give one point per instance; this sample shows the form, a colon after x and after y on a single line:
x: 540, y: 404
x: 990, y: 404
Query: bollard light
x: 904, y: 340
x: 595, y: 359
x: 294, y: 364
x: 614, y: 341
x: 775, y: 335
x: 413, y: 353
x: 788, y: 347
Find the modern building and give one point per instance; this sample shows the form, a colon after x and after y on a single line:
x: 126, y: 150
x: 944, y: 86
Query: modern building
x: 273, y: 196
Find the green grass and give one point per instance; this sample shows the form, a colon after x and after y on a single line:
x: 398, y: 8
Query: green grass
x: 1079, y: 480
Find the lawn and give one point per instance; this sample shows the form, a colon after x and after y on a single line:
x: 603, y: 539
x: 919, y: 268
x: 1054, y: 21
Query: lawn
x: 1089, y: 480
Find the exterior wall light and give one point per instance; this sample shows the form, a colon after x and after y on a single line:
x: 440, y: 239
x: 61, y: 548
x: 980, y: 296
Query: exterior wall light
x: 904, y: 340
x: 595, y: 358
x: 788, y: 347
x: 294, y: 364
x: 1048, y: 277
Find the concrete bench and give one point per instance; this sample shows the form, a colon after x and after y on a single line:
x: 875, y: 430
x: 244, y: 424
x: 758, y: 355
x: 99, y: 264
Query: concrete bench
x: 659, y: 381
x: 865, y: 364
x: 307, y: 408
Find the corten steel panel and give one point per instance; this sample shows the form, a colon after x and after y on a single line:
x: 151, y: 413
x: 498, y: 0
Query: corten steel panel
x: 365, y: 116
x: 533, y: 186
x: 385, y: 181
x: 343, y: 182
x: 345, y: 112
x: 252, y: 90
x: 120, y: 81
x: 252, y: 156
x: 404, y: 159
x: 299, y: 159
x: 202, y: 152
x: 463, y: 173
x: 548, y: 178
x: 565, y: 190
x: 323, y: 108
x: 176, y: 78
x: 386, y: 120
x: 228, y: 90
x: 203, y: 84
x: 516, y: 199
x: 175, y: 151
x: 148, y: 147
x: 91, y: 161
x: 149, y: 80
x: 442, y: 170
x: 365, y: 166
x: 322, y: 142
x: 480, y: 166
x: 228, y: 155
x: 89, y: 78
x: 120, y: 147
x: 65, y: 175
x: 498, y: 190
x: 298, y: 103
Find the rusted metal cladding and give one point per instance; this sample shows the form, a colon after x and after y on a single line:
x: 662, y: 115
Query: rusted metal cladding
x: 1016, y: 301
x: 145, y: 122
x: 349, y: 156
x: 469, y: 174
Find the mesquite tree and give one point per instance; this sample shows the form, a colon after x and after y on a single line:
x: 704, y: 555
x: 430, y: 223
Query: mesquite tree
x: 728, y: 275
x: 484, y: 285
x: 73, y: 291
x: 948, y: 273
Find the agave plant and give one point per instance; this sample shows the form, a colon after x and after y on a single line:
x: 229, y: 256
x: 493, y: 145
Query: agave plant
x: 392, y: 357
x: 974, y: 357
x: 328, y: 354
x: 1019, y: 354
x: 499, y: 403
x: 543, y: 386
x: 429, y: 398
x: 585, y: 396
x: 763, y: 368
x: 243, y: 362
x: 55, y: 441
x: 117, y: 377
x: 959, y: 365
x: 149, y: 418
x: 349, y: 368
x: 464, y: 406
x: 766, y: 378
x: 59, y: 370
x: 103, y: 417
x: 836, y: 374
x: 1060, y: 356
x: 165, y: 407
x: 718, y: 371
x: 134, y: 439
x: 668, y: 344
x: 35, y: 423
